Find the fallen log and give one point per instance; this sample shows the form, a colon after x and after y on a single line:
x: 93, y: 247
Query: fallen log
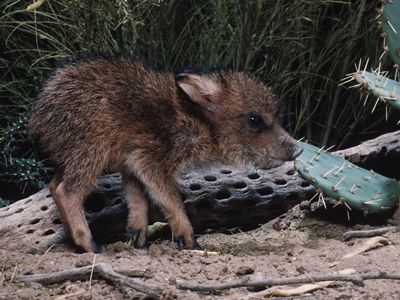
x: 215, y: 198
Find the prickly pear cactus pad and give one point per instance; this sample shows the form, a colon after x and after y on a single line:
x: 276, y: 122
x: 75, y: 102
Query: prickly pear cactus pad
x: 353, y: 186
x: 389, y: 19
x: 380, y: 86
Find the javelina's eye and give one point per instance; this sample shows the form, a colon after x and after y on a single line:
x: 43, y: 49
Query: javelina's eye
x: 255, y: 122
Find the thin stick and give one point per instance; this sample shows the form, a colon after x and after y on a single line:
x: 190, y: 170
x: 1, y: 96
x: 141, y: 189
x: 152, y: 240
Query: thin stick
x: 101, y: 270
x: 13, y: 275
x: 369, y: 233
x: 91, y: 272
x: 248, y: 281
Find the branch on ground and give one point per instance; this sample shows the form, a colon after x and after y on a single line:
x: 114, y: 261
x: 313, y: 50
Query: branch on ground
x: 101, y: 271
x: 257, y: 281
x: 369, y: 233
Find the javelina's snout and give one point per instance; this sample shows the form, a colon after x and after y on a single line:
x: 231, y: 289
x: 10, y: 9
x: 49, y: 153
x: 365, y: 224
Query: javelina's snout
x: 296, y: 151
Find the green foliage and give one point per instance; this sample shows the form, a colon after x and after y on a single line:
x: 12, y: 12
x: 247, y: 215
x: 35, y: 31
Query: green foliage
x: 4, y: 202
x: 284, y: 43
x: 390, y: 20
x: 16, y: 166
x: 358, y: 188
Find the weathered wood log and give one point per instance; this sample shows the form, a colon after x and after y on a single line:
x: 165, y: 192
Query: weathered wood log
x: 214, y: 198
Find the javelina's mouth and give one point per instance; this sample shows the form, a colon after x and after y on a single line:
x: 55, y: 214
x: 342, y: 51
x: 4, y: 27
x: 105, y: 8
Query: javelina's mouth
x: 274, y: 162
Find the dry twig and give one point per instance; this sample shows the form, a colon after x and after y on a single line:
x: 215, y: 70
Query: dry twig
x: 249, y: 281
x: 297, y: 291
x: 369, y: 233
x: 101, y: 270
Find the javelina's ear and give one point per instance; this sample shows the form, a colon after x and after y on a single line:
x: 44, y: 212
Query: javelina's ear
x: 201, y: 89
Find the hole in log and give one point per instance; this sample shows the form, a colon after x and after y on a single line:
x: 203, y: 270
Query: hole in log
x: 37, y: 242
x: 239, y: 185
x: 57, y: 221
x: 222, y: 194
x: 19, y: 210
x: 210, y: 178
x: 30, y: 231
x: 19, y: 225
x: 27, y: 201
x: 305, y: 184
x: 95, y: 203
x: 195, y: 187
x: 280, y: 181
x: 49, y: 232
x: 107, y: 186
x: 34, y: 221
x: 290, y: 172
x: 265, y: 191
x: 44, y: 207
x: 225, y: 172
x: 253, y: 176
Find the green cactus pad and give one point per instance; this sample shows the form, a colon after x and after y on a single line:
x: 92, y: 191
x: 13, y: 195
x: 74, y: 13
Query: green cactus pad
x: 380, y: 86
x: 390, y: 18
x: 360, y: 189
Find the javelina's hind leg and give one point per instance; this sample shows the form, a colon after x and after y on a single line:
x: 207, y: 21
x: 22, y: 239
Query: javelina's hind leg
x: 69, y: 202
x: 138, y: 206
x: 54, y: 183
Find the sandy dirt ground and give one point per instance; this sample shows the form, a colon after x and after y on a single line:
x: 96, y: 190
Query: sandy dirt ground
x: 297, y: 244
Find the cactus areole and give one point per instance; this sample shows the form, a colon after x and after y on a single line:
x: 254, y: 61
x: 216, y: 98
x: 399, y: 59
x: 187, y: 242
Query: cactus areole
x: 353, y: 186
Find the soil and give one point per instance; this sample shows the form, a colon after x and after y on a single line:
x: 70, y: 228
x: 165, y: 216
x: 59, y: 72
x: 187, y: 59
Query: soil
x: 298, y: 243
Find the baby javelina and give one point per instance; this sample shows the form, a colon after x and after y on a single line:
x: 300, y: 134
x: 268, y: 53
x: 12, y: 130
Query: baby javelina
x: 119, y: 114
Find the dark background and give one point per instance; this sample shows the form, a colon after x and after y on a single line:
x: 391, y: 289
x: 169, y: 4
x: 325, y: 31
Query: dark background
x: 302, y: 49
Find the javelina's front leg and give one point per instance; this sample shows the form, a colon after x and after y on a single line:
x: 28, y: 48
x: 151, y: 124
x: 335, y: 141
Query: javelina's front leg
x: 163, y: 190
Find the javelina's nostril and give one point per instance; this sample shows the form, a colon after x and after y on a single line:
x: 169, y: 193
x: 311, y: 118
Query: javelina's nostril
x: 297, y: 150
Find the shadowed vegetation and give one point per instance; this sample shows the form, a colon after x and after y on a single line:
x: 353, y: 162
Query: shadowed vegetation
x: 300, y: 48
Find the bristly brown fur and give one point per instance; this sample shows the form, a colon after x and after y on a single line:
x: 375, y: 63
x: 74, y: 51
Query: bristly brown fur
x: 117, y: 113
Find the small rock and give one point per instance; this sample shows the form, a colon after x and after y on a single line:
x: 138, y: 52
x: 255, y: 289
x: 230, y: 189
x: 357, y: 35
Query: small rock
x: 118, y: 247
x: 28, y: 293
x: 155, y: 250
x: 85, y: 260
x: 172, y: 281
x: 301, y: 270
x: 244, y: 270
x: 224, y: 270
x: 281, y: 225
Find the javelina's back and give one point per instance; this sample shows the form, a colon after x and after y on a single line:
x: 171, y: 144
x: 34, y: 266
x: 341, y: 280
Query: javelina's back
x: 98, y: 108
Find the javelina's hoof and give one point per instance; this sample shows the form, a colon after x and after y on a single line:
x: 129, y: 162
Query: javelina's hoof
x: 180, y: 242
x: 134, y: 235
x: 93, y: 248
